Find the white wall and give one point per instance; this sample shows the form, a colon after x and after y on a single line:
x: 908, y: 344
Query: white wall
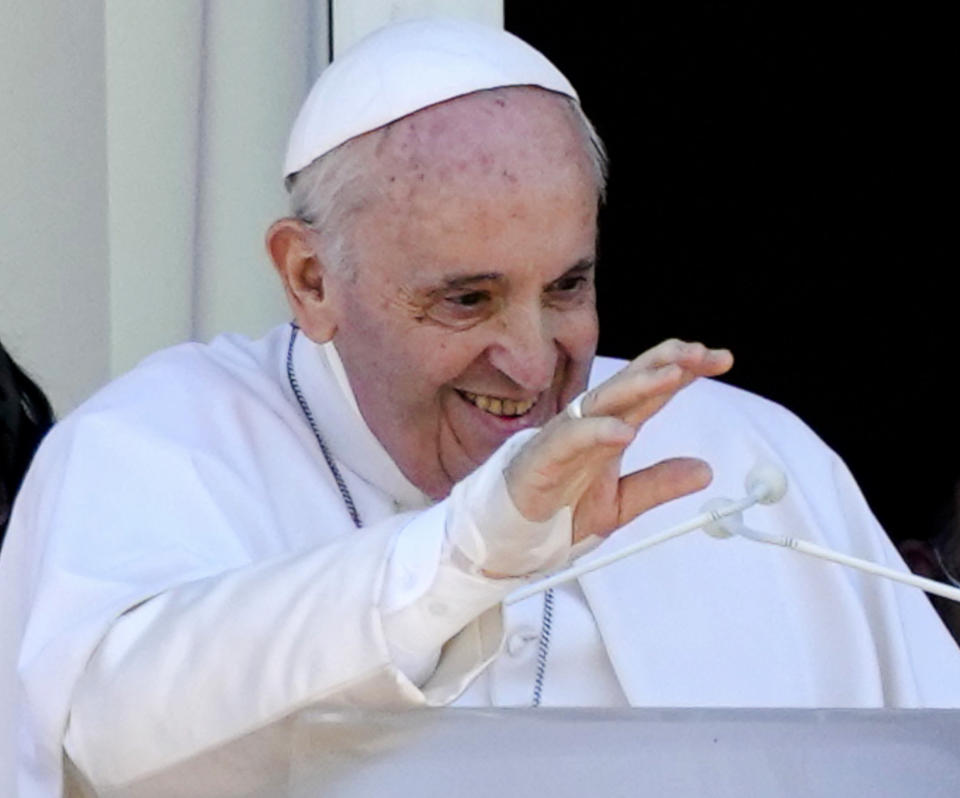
x: 200, y: 98
x: 53, y: 218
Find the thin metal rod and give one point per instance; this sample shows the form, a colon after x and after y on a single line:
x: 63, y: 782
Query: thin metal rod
x: 593, y: 564
x: 810, y: 549
x: 813, y: 550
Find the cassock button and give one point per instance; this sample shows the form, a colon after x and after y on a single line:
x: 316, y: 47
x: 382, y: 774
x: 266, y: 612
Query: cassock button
x: 520, y: 640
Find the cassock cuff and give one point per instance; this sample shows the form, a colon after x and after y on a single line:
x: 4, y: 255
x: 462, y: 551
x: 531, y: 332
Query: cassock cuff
x: 435, y: 583
x: 427, y: 598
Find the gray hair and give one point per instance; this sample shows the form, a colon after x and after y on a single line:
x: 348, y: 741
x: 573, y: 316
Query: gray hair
x: 327, y: 192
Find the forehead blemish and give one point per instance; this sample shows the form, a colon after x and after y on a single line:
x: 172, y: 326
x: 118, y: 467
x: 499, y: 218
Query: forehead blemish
x: 509, y: 144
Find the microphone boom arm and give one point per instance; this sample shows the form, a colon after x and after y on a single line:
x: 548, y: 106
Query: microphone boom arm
x: 766, y: 484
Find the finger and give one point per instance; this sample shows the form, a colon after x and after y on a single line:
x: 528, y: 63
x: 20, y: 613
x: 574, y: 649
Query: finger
x: 568, y: 442
x: 555, y: 466
x: 645, y: 385
x: 628, y: 389
x: 691, y: 355
x: 667, y: 480
x: 636, y: 396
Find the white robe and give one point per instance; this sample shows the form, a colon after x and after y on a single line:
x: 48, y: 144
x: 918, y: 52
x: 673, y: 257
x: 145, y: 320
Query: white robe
x: 200, y: 466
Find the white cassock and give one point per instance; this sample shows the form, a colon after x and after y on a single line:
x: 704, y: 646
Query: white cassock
x: 187, y: 511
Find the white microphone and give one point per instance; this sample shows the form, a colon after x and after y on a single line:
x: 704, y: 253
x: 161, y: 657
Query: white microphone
x: 766, y: 483
x: 723, y: 518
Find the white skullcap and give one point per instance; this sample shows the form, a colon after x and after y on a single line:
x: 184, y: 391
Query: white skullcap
x: 405, y: 67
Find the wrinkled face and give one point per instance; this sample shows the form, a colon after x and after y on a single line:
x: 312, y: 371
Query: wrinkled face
x: 469, y: 313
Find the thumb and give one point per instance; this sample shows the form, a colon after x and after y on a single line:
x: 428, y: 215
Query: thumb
x: 662, y: 482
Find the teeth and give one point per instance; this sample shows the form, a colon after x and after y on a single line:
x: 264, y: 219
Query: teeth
x: 497, y: 406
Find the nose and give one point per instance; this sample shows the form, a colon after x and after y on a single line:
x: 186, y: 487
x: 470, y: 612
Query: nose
x: 525, y: 350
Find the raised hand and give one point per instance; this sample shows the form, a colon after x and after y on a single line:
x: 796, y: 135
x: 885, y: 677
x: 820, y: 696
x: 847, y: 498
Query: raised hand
x: 575, y: 462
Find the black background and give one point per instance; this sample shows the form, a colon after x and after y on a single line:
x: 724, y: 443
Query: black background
x: 779, y: 186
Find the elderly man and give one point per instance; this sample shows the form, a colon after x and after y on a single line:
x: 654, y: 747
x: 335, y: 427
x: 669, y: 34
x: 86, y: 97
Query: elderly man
x: 332, y: 515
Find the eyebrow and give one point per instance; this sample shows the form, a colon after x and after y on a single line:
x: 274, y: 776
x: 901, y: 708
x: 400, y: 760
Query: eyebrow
x: 466, y: 280
x: 579, y: 267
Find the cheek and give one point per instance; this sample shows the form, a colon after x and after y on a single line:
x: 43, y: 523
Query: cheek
x: 374, y: 350
x: 444, y: 357
x: 577, y: 333
x: 420, y: 363
x: 413, y: 359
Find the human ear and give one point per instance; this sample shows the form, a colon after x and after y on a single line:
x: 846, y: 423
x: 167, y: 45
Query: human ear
x: 293, y: 250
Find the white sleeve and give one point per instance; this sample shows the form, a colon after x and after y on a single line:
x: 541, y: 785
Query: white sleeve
x: 435, y: 581
x: 210, y: 660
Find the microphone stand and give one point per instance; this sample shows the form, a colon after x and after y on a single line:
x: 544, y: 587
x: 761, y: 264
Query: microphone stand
x: 766, y: 484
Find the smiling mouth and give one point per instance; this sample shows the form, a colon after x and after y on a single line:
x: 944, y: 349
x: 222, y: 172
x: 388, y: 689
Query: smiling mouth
x: 498, y: 406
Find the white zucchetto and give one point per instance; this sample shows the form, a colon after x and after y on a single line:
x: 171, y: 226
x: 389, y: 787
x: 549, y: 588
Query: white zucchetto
x: 405, y: 67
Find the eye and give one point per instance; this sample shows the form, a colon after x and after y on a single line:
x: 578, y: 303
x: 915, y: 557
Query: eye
x: 566, y: 285
x: 571, y: 289
x: 469, y: 299
x: 463, y: 309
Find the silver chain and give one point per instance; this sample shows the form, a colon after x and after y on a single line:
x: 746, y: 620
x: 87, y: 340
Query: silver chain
x: 337, y: 476
x: 543, y: 647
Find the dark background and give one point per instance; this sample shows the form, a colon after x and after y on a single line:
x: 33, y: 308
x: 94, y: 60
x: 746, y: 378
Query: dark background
x: 779, y: 186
